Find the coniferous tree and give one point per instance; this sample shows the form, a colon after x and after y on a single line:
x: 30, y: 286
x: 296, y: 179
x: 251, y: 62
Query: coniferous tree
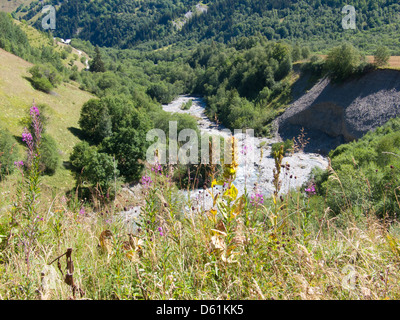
x: 97, y: 64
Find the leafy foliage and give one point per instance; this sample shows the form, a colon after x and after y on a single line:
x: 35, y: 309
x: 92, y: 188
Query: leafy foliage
x: 381, y: 56
x: 93, y: 167
x: 343, y: 62
x: 50, y: 157
x: 366, y: 173
x: 127, y: 24
x: 8, y: 153
x: 287, y: 146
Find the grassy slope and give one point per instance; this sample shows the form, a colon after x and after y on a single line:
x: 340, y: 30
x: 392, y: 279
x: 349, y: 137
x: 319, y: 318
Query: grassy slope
x: 11, y: 5
x: 17, y: 94
x: 37, y: 40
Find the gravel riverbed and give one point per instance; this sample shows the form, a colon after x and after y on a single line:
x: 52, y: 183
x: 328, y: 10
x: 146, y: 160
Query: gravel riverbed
x: 255, y: 171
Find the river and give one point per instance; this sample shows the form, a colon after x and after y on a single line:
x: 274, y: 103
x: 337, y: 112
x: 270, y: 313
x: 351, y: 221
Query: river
x: 255, y: 175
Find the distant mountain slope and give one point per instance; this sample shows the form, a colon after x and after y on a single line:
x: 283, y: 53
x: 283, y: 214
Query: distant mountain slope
x: 337, y: 113
x: 127, y: 23
x: 12, y: 5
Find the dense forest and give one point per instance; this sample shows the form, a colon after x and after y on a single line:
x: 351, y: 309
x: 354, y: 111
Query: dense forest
x: 127, y: 24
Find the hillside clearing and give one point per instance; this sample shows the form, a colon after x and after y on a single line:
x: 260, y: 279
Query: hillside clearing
x: 17, y: 94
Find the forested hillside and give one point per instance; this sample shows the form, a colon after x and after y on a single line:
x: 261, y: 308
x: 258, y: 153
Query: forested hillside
x: 129, y: 23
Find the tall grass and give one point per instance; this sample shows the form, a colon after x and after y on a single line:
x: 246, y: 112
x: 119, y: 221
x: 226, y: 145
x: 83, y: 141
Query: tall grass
x: 288, y: 247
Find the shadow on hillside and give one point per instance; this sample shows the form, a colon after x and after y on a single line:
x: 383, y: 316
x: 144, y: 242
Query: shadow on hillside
x: 319, y: 142
x: 77, y: 132
x: 359, y: 87
x: 19, y: 140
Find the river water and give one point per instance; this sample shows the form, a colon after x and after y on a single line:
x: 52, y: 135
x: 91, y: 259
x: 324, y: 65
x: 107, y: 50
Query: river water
x: 255, y: 171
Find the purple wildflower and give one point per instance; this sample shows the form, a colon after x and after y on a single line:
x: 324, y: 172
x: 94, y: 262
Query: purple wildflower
x: 311, y: 190
x: 34, y: 111
x: 146, y: 182
x: 19, y: 164
x: 26, y: 136
x: 257, y: 199
x: 82, y: 211
x: 246, y: 149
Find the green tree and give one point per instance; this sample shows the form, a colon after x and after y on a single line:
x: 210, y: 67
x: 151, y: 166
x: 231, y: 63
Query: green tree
x: 129, y: 146
x: 101, y: 171
x: 93, y: 167
x: 97, y: 64
x: 381, y: 56
x: 95, y: 120
x: 343, y: 61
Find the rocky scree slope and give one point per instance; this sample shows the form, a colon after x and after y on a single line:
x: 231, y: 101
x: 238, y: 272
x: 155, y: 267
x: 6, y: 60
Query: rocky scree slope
x: 332, y: 114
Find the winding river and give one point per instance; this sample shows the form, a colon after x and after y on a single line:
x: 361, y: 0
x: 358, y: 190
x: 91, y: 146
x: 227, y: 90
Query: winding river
x: 255, y: 175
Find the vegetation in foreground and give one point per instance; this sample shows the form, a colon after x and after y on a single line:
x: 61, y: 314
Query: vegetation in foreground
x: 245, y: 247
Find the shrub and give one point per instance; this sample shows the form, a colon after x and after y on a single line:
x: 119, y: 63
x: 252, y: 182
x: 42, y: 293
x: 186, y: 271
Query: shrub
x: 8, y: 153
x: 46, y: 72
x: 187, y: 105
x: 287, y: 145
x: 42, y: 84
x: 366, y: 173
x: 50, y: 157
x: 343, y: 61
x: 100, y: 171
x: 93, y: 167
x: 381, y: 56
x: 95, y: 120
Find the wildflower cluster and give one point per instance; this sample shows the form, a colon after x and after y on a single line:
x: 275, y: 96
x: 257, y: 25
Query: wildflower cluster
x: 25, y: 212
x: 311, y: 190
x: 146, y: 181
x: 157, y: 169
x: 257, y: 199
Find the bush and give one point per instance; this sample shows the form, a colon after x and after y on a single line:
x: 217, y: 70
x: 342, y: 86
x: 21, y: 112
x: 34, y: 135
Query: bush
x: 381, y: 56
x: 367, y: 173
x: 287, y: 145
x: 8, y: 153
x: 342, y: 62
x: 93, y: 167
x: 187, y: 105
x: 50, y: 157
x: 100, y: 171
x: 95, y: 120
x: 42, y: 84
x: 46, y: 72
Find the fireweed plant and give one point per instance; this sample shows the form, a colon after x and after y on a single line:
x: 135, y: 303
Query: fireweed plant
x: 26, y: 217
